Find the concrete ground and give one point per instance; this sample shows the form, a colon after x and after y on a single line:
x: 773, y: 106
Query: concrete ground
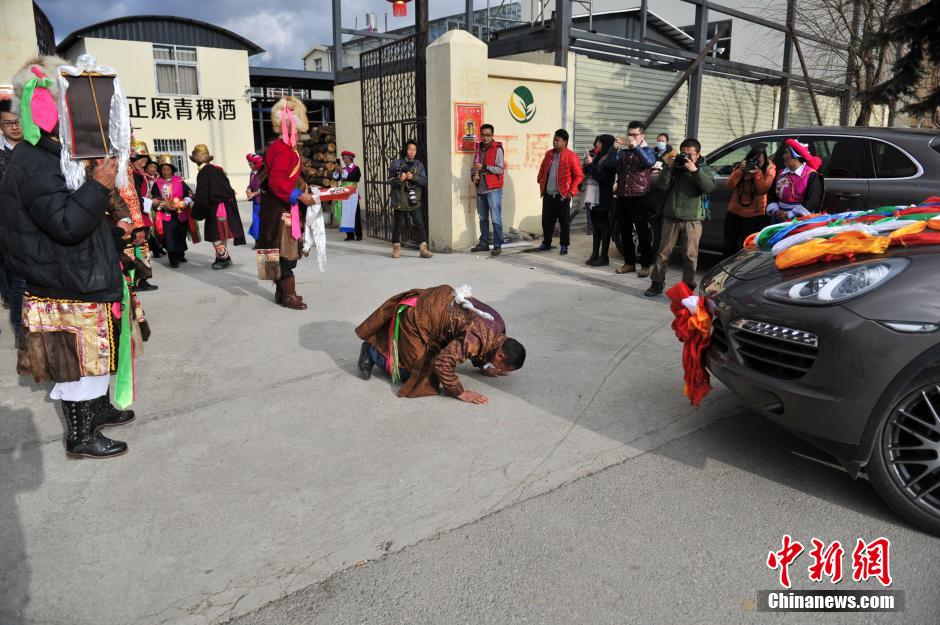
x: 267, y: 483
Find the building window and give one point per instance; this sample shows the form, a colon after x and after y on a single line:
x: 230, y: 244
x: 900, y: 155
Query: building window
x: 176, y: 148
x: 175, y: 69
x: 318, y: 65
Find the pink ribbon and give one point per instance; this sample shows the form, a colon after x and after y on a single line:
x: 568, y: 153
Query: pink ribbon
x: 220, y: 211
x: 295, y: 221
x: 288, y: 127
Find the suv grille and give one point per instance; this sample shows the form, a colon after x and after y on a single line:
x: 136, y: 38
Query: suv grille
x: 719, y: 338
x: 773, y: 349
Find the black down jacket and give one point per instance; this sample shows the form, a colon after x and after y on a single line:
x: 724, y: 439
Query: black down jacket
x: 59, y: 242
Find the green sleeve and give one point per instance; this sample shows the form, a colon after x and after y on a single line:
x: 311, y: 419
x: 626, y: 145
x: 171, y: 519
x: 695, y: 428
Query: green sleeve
x: 705, y: 179
x: 664, y: 179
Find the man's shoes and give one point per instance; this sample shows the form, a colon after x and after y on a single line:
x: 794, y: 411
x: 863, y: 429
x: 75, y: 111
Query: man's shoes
x: 82, y: 438
x: 350, y: 236
x: 563, y: 251
x: 656, y: 288
x: 222, y: 263
x: 644, y: 272
x: 625, y: 268
x: 365, y: 362
x: 424, y: 252
x: 183, y: 259
x: 591, y: 259
x: 174, y: 263
x: 396, y: 250
x: 480, y: 247
x: 359, y: 238
x: 603, y: 261
x: 143, y: 285
x: 496, y: 251
x: 106, y: 415
x: 544, y: 247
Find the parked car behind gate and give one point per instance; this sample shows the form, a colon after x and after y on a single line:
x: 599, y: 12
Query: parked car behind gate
x: 863, y: 168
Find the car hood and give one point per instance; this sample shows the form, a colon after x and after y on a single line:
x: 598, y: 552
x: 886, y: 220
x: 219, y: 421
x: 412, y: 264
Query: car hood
x: 749, y: 264
x: 911, y: 296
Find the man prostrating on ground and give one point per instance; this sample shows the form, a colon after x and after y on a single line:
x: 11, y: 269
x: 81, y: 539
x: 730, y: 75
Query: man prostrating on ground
x: 420, y: 336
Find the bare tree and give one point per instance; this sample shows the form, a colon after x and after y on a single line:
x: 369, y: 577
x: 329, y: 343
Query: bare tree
x: 844, y: 58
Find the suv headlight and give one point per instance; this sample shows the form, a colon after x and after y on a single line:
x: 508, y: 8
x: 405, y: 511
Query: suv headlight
x: 838, y: 285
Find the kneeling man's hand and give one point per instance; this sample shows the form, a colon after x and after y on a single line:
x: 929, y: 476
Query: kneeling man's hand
x: 493, y: 372
x: 472, y: 397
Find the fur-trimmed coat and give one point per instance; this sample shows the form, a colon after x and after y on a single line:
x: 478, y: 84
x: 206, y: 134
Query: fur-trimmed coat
x: 435, y: 336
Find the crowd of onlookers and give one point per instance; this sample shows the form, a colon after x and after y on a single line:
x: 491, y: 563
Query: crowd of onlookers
x: 655, y: 197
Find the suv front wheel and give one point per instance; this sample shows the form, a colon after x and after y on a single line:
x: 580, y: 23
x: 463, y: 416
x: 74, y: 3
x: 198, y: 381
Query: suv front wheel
x: 905, y: 464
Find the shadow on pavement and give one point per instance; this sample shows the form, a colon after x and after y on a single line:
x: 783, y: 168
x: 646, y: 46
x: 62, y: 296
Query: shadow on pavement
x: 21, y: 469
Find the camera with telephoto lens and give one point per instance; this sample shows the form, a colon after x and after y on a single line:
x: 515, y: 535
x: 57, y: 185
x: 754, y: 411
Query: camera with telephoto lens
x: 410, y: 194
x: 681, y: 159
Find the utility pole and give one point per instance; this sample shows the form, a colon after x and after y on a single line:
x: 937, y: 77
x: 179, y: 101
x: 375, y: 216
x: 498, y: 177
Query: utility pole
x: 845, y: 110
x: 782, y: 117
x: 695, y: 78
x: 337, y: 39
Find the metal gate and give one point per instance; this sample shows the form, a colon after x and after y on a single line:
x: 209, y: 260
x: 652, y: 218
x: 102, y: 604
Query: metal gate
x: 392, y: 78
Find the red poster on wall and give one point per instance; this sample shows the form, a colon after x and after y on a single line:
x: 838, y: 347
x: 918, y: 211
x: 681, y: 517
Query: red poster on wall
x: 468, y: 118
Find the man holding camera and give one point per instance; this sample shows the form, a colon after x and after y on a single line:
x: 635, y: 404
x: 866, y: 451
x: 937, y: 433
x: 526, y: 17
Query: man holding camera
x: 686, y: 184
x: 487, y: 175
x: 634, y: 169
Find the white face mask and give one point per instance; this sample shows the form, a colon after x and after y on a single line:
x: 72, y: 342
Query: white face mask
x: 661, y: 145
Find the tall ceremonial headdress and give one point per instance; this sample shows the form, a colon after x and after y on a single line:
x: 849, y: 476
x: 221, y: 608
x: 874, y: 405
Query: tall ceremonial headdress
x: 85, y: 102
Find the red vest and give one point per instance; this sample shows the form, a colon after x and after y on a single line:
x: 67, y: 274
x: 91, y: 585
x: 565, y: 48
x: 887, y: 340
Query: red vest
x: 493, y: 181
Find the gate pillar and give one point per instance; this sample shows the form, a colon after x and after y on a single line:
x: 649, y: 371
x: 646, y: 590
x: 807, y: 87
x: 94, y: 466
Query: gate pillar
x: 456, y: 72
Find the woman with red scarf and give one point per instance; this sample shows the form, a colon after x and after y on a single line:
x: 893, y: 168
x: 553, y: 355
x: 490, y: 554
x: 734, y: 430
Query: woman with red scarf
x: 280, y: 230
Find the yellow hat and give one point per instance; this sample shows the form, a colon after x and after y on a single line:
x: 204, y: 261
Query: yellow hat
x: 139, y: 149
x: 200, y: 154
x: 165, y: 159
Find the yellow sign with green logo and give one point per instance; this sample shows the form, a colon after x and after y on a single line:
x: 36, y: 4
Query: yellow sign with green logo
x: 522, y: 105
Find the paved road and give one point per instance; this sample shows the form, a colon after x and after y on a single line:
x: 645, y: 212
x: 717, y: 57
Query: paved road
x: 261, y: 469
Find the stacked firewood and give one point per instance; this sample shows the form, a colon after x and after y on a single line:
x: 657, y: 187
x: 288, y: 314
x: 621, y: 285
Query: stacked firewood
x: 318, y: 150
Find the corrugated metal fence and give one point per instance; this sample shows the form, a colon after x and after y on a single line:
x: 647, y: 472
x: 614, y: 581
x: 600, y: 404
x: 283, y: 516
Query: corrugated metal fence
x: 608, y: 95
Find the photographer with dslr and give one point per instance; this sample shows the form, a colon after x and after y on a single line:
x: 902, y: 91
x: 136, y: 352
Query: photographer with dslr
x: 749, y: 183
x: 409, y: 179
x: 686, y: 184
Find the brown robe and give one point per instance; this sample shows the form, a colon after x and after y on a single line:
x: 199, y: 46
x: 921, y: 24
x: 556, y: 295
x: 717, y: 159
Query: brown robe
x: 435, y: 336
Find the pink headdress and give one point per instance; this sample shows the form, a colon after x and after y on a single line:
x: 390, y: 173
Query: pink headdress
x: 254, y: 159
x: 801, y: 150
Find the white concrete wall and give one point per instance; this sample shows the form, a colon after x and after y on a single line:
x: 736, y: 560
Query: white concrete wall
x: 18, y: 43
x: 223, y: 74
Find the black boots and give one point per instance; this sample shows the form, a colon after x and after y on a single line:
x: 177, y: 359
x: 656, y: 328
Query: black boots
x: 365, y: 362
x: 222, y: 263
x: 82, y: 438
x: 106, y: 415
x: 656, y: 288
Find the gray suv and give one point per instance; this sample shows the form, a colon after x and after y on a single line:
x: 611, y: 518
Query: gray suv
x: 846, y: 355
x: 862, y: 168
